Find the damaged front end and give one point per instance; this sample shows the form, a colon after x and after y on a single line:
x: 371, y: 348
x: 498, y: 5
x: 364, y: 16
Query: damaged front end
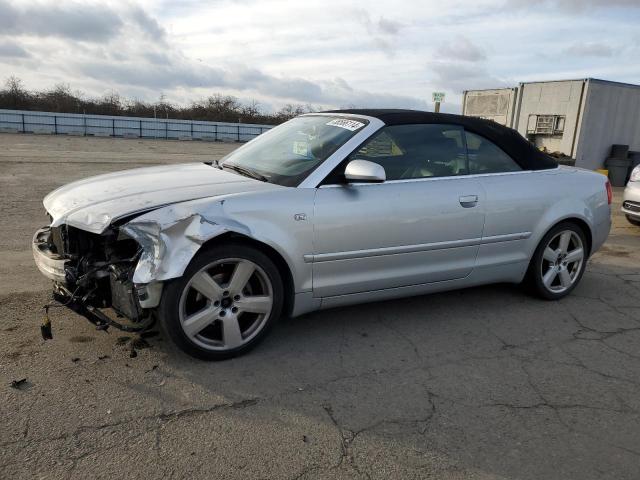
x: 94, y: 272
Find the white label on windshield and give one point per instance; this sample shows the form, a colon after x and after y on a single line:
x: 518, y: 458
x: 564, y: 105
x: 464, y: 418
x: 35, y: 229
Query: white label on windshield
x: 351, y: 125
x: 300, y: 148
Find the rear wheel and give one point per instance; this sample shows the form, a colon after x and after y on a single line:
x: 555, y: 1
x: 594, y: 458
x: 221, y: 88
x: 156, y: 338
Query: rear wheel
x: 224, y: 304
x: 559, y: 261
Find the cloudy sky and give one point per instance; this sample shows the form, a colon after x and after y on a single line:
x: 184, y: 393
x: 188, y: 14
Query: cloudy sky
x: 327, y: 53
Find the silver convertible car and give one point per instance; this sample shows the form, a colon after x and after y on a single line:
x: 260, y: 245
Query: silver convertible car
x: 327, y: 209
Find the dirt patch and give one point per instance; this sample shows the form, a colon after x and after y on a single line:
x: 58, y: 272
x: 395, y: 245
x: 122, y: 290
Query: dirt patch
x: 614, y: 252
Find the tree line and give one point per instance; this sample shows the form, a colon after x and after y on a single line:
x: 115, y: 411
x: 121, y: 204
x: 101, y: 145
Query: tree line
x: 215, y: 108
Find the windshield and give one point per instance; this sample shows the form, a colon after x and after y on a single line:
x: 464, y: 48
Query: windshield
x: 287, y: 154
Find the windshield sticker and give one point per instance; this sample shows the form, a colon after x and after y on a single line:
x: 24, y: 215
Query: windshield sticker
x: 300, y: 148
x: 351, y: 125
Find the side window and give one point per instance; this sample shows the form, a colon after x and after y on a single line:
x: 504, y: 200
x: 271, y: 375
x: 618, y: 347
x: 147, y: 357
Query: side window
x: 416, y: 151
x: 486, y: 157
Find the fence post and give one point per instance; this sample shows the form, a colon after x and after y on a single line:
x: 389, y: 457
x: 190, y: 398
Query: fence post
x: 238, y: 132
x: 84, y: 119
x: 215, y: 133
x: 140, y: 127
x: 55, y: 124
x: 113, y: 127
x: 166, y: 130
x: 23, y: 131
x: 192, y: 130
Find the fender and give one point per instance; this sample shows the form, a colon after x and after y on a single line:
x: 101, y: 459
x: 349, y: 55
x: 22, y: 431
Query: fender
x: 171, y: 236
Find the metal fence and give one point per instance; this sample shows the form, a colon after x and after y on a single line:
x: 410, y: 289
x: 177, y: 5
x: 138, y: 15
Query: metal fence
x: 19, y: 121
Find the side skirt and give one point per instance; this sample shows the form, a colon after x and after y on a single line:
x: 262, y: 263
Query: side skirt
x: 512, y: 273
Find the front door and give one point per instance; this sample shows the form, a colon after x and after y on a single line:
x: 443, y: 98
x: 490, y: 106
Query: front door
x: 422, y: 225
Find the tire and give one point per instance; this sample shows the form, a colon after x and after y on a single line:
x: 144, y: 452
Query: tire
x: 633, y: 221
x: 555, y: 268
x: 224, y: 304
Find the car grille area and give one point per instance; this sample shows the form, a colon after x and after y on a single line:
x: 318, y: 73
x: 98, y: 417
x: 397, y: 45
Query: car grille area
x: 631, y: 206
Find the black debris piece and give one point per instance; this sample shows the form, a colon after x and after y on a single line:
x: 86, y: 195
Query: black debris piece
x: 103, y: 357
x: 75, y: 359
x: 45, y: 328
x: 122, y: 340
x: 18, y: 384
x: 133, y: 353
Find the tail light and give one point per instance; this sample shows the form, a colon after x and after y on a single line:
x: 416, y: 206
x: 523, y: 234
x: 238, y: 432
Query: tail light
x: 609, y: 192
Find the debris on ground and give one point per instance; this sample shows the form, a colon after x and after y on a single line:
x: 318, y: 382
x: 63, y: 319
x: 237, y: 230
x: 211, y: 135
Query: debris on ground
x: 18, y: 384
x: 139, y: 343
x: 45, y: 328
x: 75, y: 359
x: 103, y: 357
x: 123, y: 340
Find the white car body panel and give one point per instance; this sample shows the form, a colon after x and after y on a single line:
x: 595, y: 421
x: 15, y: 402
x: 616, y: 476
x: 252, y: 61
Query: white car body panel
x: 374, y: 236
x: 94, y: 203
x: 632, y: 194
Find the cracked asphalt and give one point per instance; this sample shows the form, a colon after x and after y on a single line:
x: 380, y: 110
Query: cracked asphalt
x: 484, y: 383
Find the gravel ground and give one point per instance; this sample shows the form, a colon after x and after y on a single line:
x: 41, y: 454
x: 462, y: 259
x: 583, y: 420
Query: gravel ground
x: 484, y: 383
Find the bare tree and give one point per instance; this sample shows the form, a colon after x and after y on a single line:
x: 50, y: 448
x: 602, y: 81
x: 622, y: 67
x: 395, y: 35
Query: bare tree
x: 216, y: 107
x: 14, y: 95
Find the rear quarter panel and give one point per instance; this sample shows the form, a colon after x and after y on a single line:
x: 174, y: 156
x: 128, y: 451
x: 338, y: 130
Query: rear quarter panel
x: 533, y: 202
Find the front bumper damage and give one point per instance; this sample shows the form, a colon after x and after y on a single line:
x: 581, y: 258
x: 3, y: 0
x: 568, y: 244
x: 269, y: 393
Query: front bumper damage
x: 125, y: 266
x: 50, y: 264
x: 93, y: 273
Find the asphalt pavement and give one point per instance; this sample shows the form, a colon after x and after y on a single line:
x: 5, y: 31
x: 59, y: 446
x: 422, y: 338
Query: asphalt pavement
x: 483, y: 383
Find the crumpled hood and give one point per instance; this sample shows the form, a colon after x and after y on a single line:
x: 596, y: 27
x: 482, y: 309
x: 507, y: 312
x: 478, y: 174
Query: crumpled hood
x: 93, y: 203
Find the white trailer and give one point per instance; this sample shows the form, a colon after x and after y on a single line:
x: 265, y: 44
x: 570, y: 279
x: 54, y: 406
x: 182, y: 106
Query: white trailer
x: 580, y: 119
x: 495, y: 104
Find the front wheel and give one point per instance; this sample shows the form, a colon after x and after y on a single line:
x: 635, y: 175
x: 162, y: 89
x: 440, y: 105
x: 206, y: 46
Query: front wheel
x: 559, y: 261
x: 224, y: 304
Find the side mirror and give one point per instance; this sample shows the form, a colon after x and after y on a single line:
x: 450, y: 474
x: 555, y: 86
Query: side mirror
x: 364, y: 171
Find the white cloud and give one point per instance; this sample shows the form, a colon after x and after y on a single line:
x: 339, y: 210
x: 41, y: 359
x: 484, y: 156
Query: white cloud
x: 591, y: 49
x: 458, y: 76
x: 91, y: 22
x: 323, y: 52
x: 462, y: 49
x: 575, y: 5
x: 10, y: 49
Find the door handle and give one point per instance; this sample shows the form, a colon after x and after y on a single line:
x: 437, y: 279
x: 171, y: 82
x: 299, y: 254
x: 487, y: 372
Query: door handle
x: 468, y: 201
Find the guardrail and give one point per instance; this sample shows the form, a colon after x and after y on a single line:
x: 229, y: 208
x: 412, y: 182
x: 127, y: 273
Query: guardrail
x: 18, y: 121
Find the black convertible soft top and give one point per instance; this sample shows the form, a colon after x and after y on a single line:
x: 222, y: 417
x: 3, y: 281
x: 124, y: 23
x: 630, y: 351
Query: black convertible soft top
x: 522, y: 151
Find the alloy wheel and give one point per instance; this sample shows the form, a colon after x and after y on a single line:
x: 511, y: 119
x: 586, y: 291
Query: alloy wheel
x: 562, y: 261
x: 226, y: 304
